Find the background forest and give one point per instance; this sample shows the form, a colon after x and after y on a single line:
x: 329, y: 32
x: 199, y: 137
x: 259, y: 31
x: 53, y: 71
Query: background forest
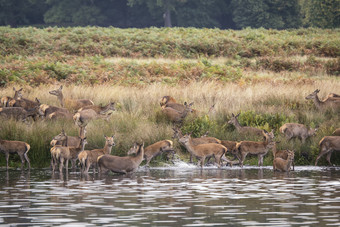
x: 224, y: 14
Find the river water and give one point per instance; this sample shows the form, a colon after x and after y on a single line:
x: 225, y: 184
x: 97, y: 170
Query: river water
x: 180, y: 195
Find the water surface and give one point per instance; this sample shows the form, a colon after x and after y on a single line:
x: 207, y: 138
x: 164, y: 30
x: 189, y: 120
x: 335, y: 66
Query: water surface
x: 180, y: 195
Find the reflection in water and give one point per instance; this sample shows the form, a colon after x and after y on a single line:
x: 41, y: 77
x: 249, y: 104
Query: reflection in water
x: 174, y: 196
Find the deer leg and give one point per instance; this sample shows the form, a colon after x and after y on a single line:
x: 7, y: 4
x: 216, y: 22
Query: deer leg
x: 7, y: 158
x: 202, y: 161
x: 322, y: 152
x: 22, y: 160
x: 260, y: 161
x: 191, y: 157
x: 61, y: 163
x: 243, y: 157
x: 66, y: 165
x: 27, y: 159
x: 148, y: 159
x: 328, y: 157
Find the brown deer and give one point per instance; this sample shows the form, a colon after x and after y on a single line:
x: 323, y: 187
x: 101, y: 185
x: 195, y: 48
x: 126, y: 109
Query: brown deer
x: 167, y: 100
x: 292, y: 130
x: 84, y: 116
x: 11, y: 147
x: 99, y: 109
x: 123, y: 165
x: 6, y: 99
x: 69, y: 141
x: 283, y: 165
x: 196, y: 141
x: 66, y: 153
x: 244, y: 129
x: 89, y: 157
x: 281, y: 154
x: 202, y: 151
x: 23, y: 102
x: 73, y: 104
x: 52, y: 112
x: 156, y: 149
x: 336, y: 132
x: 19, y: 113
x: 256, y: 148
x: 329, y: 102
x: 176, y: 116
x: 328, y: 144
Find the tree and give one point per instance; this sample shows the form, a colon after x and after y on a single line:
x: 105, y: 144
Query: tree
x: 164, y: 6
x: 321, y: 13
x: 266, y: 13
x: 21, y: 12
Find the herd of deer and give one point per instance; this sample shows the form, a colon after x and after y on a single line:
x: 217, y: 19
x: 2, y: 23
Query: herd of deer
x: 72, y: 148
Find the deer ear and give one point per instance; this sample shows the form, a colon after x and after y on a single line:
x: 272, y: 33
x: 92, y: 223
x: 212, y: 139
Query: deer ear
x: 191, y: 104
x: 232, y: 114
x: 185, y: 103
x: 317, y: 90
x: 265, y: 131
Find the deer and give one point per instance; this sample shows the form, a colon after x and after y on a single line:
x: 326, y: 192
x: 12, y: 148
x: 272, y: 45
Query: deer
x: 53, y: 112
x: 336, y: 132
x: 84, y: 116
x: 122, y: 165
x: 11, y: 147
x: 329, y: 102
x: 281, y: 153
x: 69, y: 141
x: 4, y: 101
x: 327, y: 145
x: 196, y: 141
x: 295, y: 130
x: 23, y: 102
x: 89, y: 157
x: 19, y: 113
x: 283, y: 165
x: 155, y: 149
x: 256, y: 148
x: 244, y: 129
x: 73, y: 104
x: 202, y: 151
x: 176, y: 116
x: 167, y: 100
x: 66, y: 153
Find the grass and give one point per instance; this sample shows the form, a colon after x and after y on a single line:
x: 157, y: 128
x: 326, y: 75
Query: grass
x: 138, y: 116
x: 264, y: 74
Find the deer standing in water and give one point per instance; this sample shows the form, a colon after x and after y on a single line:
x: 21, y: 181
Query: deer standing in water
x: 202, y: 151
x: 281, y: 154
x: 256, y: 148
x: 155, y: 149
x: 283, y: 165
x: 73, y: 104
x: 123, y: 165
x: 89, y: 157
x: 11, y: 147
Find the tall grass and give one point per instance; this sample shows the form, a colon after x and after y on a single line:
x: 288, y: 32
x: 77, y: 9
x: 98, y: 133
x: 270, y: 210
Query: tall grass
x: 138, y: 117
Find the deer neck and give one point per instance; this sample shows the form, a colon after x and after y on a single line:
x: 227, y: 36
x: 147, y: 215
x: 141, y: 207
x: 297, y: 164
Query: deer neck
x: 107, y: 148
x: 237, y: 124
x: 190, y: 146
x: 61, y: 99
x: 317, y: 101
x: 140, y: 155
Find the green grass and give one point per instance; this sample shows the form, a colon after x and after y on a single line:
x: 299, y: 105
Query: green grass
x: 263, y: 74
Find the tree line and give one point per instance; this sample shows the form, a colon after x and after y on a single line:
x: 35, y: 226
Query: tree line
x: 224, y: 14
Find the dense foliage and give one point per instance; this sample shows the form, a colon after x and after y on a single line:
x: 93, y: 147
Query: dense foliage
x: 225, y: 14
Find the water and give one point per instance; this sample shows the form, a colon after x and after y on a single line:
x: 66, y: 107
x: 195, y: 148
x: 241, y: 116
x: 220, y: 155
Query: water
x: 180, y: 195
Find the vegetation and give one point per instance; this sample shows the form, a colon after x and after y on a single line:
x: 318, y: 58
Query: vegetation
x: 224, y: 14
x: 264, y: 74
